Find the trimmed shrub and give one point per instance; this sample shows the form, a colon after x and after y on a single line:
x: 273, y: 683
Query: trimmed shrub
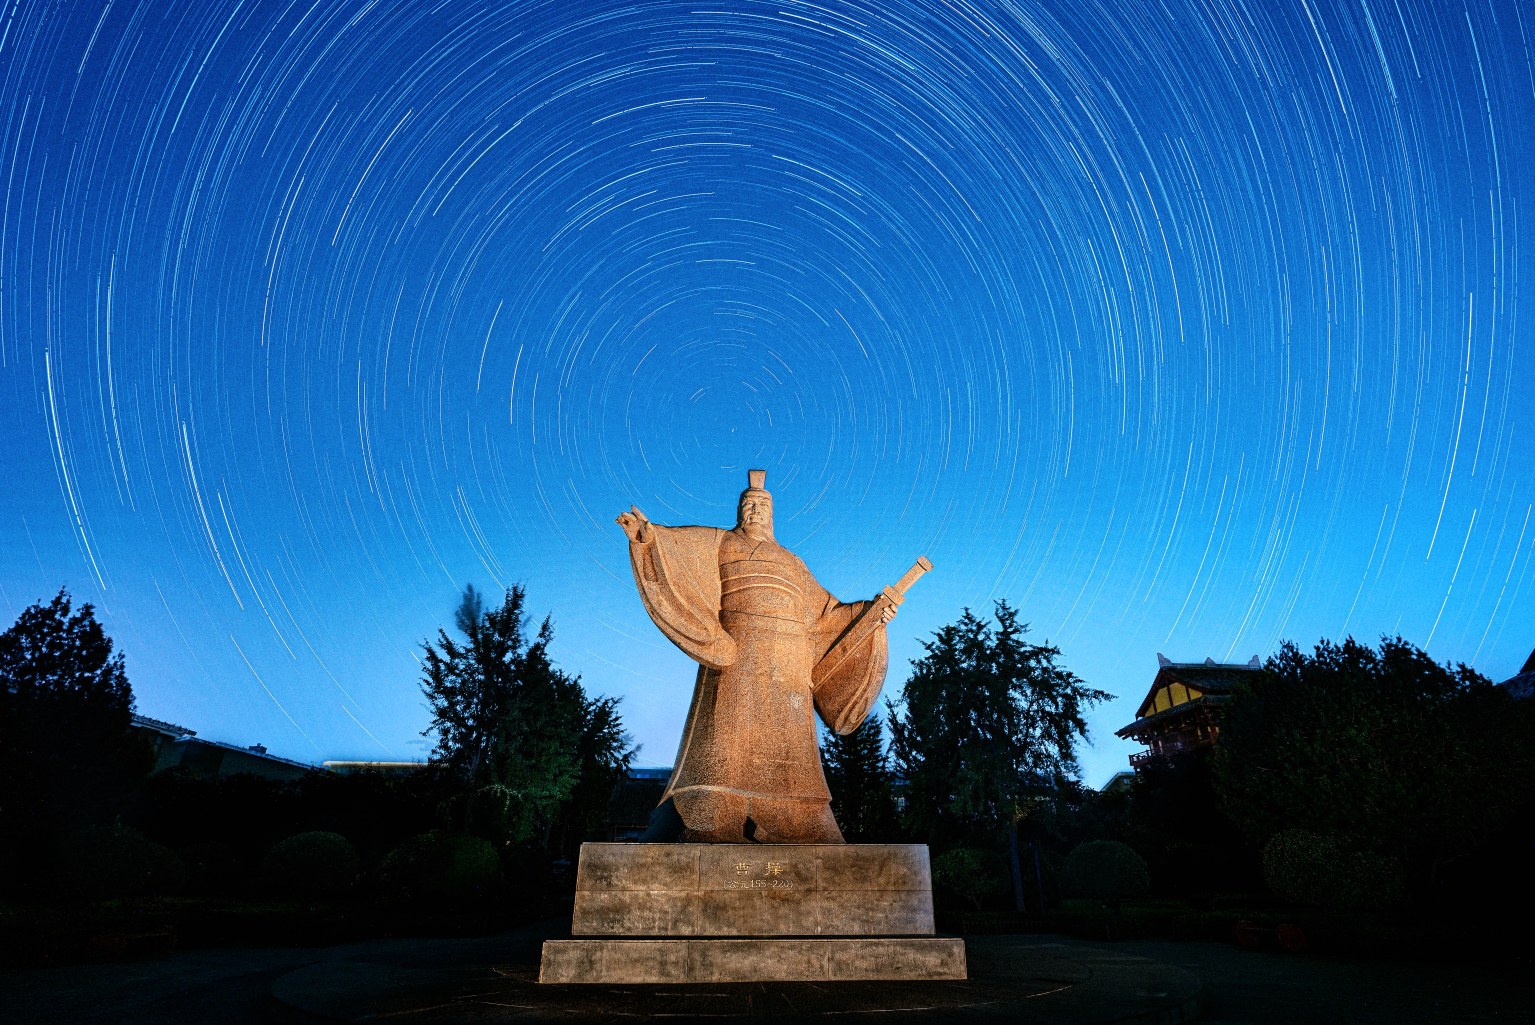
x: 1105, y: 870
x: 445, y: 869
x: 311, y: 866
x: 1324, y: 870
x: 105, y: 862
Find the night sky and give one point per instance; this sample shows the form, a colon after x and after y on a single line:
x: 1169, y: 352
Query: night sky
x: 1186, y: 327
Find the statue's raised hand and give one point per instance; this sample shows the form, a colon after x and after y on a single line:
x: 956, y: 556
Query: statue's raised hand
x: 635, y: 524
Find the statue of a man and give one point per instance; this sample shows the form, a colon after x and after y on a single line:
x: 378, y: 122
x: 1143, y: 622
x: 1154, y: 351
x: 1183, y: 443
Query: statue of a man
x: 774, y: 648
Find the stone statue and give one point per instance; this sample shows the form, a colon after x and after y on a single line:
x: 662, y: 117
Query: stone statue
x: 774, y: 648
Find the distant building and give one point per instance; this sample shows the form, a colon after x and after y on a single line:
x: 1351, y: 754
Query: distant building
x: 1119, y: 784
x: 634, y: 798
x: 162, y: 738
x: 347, y: 768
x: 1182, y: 710
x: 1522, y: 684
x: 178, y: 747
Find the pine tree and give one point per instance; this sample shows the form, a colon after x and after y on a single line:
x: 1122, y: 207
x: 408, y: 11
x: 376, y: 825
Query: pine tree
x: 519, y: 732
x: 862, y: 785
x: 987, y: 722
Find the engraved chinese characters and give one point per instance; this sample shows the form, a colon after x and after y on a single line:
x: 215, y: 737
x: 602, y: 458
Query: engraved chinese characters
x: 767, y: 875
x: 774, y: 650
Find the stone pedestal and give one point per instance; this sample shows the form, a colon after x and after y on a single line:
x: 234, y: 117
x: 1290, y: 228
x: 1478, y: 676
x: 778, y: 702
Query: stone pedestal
x: 660, y: 913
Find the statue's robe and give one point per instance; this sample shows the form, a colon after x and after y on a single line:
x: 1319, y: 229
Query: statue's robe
x: 760, y: 628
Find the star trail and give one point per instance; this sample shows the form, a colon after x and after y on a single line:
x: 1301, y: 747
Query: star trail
x: 1185, y: 326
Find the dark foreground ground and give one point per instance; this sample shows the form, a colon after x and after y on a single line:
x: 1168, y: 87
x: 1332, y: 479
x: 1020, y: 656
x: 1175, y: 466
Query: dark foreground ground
x: 236, y: 987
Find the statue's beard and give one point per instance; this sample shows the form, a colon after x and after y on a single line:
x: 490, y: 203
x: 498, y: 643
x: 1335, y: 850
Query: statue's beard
x: 757, y: 530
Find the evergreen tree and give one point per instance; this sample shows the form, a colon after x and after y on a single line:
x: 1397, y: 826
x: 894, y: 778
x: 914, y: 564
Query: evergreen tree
x: 520, y: 733
x: 987, y: 722
x: 862, y: 785
x: 603, y: 754
x: 1388, y: 751
x: 65, y: 707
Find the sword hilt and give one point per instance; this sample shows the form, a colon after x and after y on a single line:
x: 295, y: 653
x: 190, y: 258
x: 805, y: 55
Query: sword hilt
x: 896, y: 592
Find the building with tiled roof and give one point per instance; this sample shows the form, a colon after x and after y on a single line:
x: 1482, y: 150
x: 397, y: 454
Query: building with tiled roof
x: 1181, y: 712
x: 1522, y: 684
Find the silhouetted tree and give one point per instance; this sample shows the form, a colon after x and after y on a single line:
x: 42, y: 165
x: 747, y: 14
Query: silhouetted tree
x: 987, y: 721
x: 1386, y: 751
x: 65, y: 707
x: 1176, y: 821
x: 862, y: 785
x: 519, y: 732
x: 603, y: 754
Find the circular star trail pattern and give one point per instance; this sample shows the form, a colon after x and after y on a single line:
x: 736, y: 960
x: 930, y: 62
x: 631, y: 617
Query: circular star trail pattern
x: 1185, y: 327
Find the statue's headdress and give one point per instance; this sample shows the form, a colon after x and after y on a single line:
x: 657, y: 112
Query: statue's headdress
x: 755, y: 479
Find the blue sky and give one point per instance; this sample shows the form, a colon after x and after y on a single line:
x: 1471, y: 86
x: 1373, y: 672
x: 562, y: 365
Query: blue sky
x: 1183, y: 327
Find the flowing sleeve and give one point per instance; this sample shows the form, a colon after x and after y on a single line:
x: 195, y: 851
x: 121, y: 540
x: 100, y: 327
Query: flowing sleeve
x: 678, y: 574
x: 851, y: 657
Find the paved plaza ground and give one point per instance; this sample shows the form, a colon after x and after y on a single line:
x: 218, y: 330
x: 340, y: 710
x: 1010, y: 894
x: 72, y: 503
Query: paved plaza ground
x: 1076, y: 984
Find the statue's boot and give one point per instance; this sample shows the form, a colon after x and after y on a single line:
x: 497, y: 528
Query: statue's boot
x: 665, y: 824
x: 712, y: 815
x: 786, y: 820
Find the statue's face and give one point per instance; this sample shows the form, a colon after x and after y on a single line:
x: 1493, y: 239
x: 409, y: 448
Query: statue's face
x: 755, y: 514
